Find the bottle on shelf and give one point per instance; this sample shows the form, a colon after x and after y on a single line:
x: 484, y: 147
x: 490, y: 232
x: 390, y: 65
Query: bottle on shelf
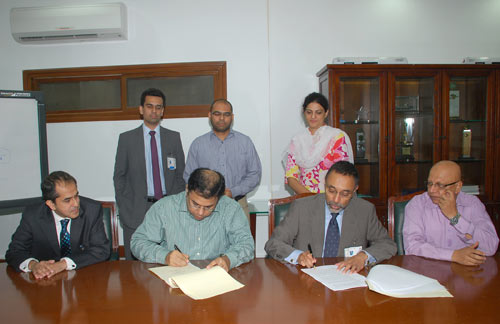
x: 466, y: 142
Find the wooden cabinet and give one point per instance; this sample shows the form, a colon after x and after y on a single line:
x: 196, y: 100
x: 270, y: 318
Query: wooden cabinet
x: 404, y: 118
x: 493, y: 209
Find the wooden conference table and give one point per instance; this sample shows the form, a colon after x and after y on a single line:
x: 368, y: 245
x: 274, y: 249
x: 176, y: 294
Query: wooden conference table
x: 126, y: 292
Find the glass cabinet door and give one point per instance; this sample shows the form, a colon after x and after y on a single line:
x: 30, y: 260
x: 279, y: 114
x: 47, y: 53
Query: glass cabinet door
x: 467, y: 137
x: 413, y: 117
x: 360, y: 118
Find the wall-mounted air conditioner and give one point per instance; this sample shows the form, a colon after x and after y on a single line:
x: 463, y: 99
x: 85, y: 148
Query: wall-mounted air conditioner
x: 57, y: 24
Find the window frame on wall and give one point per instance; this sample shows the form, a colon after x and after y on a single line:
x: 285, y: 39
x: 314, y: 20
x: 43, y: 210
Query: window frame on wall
x: 33, y: 78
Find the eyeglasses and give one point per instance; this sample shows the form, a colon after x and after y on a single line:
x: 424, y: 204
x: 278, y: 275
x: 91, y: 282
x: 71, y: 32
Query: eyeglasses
x: 151, y: 106
x: 343, y: 193
x: 205, y: 209
x: 225, y: 114
x: 441, y: 186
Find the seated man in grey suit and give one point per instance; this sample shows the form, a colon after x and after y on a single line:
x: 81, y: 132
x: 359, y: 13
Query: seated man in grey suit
x: 334, y: 224
x: 64, y: 232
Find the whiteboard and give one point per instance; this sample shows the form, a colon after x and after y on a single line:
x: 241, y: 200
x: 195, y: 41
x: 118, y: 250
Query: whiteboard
x: 23, y: 147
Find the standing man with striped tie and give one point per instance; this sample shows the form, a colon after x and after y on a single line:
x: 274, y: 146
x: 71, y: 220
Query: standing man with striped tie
x: 149, y: 165
x: 64, y: 232
x: 334, y: 224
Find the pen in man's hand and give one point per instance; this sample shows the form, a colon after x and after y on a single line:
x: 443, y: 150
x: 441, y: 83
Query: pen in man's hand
x: 311, y: 251
x: 179, y: 250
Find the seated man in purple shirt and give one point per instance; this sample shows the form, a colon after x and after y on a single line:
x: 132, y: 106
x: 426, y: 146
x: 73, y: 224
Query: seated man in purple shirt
x: 447, y: 224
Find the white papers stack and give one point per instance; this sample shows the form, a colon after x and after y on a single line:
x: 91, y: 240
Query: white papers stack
x: 471, y: 189
x: 398, y: 282
x: 198, y: 283
x: 334, y: 279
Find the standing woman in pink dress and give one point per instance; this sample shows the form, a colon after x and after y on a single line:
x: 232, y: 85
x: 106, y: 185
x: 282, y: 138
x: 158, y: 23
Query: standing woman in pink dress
x: 315, y: 149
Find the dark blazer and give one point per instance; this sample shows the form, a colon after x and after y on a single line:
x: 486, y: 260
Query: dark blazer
x: 305, y: 224
x: 36, y: 236
x: 131, y: 189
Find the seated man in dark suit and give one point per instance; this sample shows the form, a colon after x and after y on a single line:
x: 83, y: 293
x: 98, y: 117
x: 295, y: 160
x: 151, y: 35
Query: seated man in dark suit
x: 64, y: 232
x: 334, y: 224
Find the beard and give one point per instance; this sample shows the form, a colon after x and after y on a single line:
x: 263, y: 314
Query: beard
x: 334, y: 207
x: 221, y: 128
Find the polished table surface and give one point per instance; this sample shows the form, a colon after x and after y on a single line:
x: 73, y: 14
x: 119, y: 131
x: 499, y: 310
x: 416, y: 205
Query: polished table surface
x: 126, y: 292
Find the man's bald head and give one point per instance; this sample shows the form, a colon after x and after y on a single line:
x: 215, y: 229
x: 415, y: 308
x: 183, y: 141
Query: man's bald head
x: 447, y: 167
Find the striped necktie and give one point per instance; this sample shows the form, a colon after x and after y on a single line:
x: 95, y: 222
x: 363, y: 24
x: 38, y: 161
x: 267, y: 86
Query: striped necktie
x: 332, y: 238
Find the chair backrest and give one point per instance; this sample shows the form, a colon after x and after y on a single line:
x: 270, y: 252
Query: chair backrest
x: 279, y: 207
x: 396, y: 216
x: 110, y: 218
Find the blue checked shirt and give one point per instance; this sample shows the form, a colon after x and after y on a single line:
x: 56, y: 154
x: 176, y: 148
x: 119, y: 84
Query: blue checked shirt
x: 235, y: 158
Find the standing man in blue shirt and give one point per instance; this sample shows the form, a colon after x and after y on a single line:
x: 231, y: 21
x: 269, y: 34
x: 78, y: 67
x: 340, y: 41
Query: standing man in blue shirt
x: 149, y: 165
x: 227, y: 151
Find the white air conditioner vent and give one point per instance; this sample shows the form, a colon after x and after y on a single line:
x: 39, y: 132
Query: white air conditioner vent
x: 44, y: 25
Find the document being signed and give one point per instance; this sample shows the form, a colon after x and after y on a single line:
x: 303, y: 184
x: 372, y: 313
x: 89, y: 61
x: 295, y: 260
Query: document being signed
x: 334, y: 279
x: 198, y: 283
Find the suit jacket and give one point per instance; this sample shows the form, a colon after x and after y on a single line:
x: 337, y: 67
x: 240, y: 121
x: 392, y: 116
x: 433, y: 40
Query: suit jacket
x: 131, y: 188
x: 305, y: 224
x: 36, y: 236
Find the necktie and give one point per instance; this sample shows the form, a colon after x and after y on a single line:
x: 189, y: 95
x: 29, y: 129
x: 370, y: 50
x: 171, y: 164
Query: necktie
x: 156, y: 167
x: 332, y: 238
x: 64, y: 239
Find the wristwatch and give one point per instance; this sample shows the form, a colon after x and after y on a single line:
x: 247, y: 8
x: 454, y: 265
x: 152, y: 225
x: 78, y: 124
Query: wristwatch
x: 454, y: 220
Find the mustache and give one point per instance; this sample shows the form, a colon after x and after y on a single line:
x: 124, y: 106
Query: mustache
x: 333, y: 204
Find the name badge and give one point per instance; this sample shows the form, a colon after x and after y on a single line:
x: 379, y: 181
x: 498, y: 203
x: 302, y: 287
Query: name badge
x: 171, y: 163
x: 352, y: 251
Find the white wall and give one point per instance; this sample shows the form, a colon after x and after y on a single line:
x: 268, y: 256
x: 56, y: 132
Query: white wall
x: 273, y: 50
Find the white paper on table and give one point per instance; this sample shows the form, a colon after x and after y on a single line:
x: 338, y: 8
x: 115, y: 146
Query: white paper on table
x: 334, y: 279
x: 167, y: 272
x: 394, y: 281
x: 206, y: 283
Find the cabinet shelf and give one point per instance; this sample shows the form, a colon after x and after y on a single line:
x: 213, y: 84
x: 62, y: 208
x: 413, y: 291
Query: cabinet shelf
x: 468, y: 160
x: 404, y: 114
x: 364, y: 162
x: 464, y: 121
x: 358, y: 122
x: 400, y: 160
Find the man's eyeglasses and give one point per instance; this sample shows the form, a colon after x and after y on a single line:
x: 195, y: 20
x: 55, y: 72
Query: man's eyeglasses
x: 343, y: 193
x: 441, y: 186
x: 225, y: 114
x: 205, y: 209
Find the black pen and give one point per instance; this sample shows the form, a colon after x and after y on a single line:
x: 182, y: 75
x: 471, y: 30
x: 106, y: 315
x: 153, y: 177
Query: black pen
x: 311, y: 251
x: 179, y: 250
